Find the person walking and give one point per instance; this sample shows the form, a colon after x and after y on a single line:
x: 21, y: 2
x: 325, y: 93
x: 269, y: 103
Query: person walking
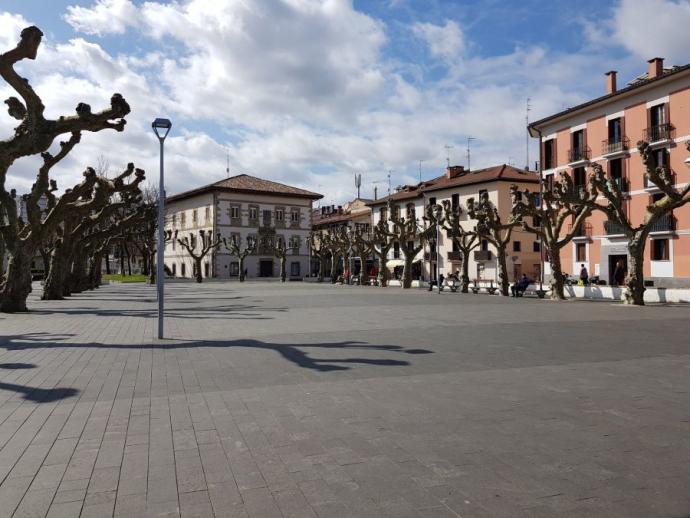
x: 584, y: 275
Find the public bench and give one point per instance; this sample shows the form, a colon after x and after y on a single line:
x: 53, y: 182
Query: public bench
x: 534, y: 291
x: 480, y: 284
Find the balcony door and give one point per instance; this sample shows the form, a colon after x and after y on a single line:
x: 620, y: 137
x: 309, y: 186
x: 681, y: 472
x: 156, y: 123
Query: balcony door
x: 615, y: 131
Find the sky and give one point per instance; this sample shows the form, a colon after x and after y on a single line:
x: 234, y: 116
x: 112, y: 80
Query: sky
x: 312, y: 92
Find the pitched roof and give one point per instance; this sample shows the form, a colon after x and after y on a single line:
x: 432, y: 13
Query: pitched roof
x: 497, y: 173
x: 249, y: 184
x: 642, y: 81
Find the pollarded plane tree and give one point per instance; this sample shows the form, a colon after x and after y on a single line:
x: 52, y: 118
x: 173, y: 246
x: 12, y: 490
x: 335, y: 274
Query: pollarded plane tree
x: 145, y: 235
x: 204, y: 242
x: 382, y: 242
x: 465, y: 240
x: 78, y: 212
x: 280, y: 250
x: 363, y: 247
x: 559, y: 202
x: 407, y: 231
x: 614, y: 205
x: 315, y: 242
x: 498, y: 233
x: 333, y: 247
x: 240, y: 251
x: 34, y: 135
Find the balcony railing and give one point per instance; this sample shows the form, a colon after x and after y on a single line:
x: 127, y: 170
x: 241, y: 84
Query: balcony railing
x: 482, y: 255
x: 664, y: 224
x: 579, y: 154
x: 614, y: 145
x: 613, y: 228
x: 621, y: 183
x: 455, y: 256
x: 576, y: 189
x: 584, y: 230
x: 659, y: 132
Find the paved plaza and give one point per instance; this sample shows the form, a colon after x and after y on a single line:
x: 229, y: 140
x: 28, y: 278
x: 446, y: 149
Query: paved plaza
x: 305, y: 400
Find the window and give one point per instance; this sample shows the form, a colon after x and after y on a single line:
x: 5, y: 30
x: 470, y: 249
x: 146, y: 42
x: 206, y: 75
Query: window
x: 550, y: 154
x: 174, y: 269
x: 484, y: 245
x: 183, y: 219
x: 657, y: 115
x: 396, y: 250
x: 615, y: 131
x: 253, y: 213
x: 432, y: 201
x: 660, y: 157
x: 206, y: 270
x: 616, y: 168
x: 660, y: 250
x: 183, y: 269
x: 294, y: 216
x: 536, y: 221
x: 234, y: 268
x: 536, y: 246
x: 581, y: 252
x: 207, y: 215
x: 174, y: 220
x: 194, y: 217
x: 482, y: 192
x: 579, y: 178
x: 294, y: 269
x: 456, y: 247
x: 517, y: 246
x: 267, y: 218
x: 577, y: 151
x: 383, y: 213
x: 395, y: 212
x: 235, y: 238
x: 411, y: 211
x: 280, y: 215
x: 235, y: 212
x: 410, y: 246
x: 455, y: 201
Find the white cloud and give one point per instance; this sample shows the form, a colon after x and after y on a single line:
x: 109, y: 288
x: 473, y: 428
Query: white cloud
x: 105, y: 17
x: 445, y: 41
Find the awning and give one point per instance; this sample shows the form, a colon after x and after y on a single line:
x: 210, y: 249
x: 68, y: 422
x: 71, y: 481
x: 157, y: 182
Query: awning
x: 394, y: 262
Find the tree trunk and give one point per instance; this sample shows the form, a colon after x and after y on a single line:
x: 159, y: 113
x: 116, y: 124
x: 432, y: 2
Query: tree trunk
x: 407, y: 272
x: 76, y: 280
x: 107, y: 261
x: 122, y: 260
x: 334, y: 264
x: 129, y: 261
x: 557, y: 278
x: 283, y: 273
x: 465, y: 277
x: 635, y: 286
x: 153, y: 268
x: 17, y: 284
x: 363, y: 273
x: 2, y: 259
x: 384, y: 274
x: 53, y: 288
x: 322, y: 267
x: 504, y: 283
x: 197, y: 270
x: 241, y: 268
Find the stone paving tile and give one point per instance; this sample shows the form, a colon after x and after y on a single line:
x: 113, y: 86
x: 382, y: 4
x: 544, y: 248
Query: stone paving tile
x: 304, y: 401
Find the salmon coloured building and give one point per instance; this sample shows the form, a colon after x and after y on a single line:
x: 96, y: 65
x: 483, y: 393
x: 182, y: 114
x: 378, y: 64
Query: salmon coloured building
x: 654, y: 107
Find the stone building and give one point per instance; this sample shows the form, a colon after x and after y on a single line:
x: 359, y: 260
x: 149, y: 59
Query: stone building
x: 244, y: 208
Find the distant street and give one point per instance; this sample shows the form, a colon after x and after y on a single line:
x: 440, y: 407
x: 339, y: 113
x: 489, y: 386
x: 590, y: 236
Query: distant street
x: 304, y: 400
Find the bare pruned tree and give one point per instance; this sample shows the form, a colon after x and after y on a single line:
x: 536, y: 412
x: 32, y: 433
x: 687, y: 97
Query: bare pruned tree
x: 241, y: 252
x: 315, y: 242
x: 382, y: 242
x: 204, y: 243
x: 407, y: 231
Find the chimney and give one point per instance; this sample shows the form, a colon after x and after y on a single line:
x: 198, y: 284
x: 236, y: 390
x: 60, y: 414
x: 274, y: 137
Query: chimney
x: 611, y: 82
x: 656, y: 68
x: 376, y: 192
x: 454, y: 170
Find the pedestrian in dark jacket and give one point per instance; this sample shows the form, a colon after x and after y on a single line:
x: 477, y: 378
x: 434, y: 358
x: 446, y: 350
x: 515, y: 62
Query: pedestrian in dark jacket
x: 619, y: 273
x: 520, y: 286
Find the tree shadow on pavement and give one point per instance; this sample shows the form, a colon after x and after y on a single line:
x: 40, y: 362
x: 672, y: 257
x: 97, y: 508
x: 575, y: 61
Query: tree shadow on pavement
x: 293, y: 353
x: 37, y: 395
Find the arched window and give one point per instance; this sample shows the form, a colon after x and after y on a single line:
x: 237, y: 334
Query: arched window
x: 183, y: 270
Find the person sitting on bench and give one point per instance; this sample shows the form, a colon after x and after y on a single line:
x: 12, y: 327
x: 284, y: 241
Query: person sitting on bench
x: 520, y: 286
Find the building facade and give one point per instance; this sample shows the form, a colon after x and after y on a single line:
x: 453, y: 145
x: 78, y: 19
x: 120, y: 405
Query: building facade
x: 458, y: 186
x: 241, y: 208
x: 654, y: 107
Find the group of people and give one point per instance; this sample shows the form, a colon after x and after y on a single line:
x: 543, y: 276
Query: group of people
x: 617, y: 279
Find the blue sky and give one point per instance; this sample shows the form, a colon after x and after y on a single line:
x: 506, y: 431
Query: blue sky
x: 309, y: 92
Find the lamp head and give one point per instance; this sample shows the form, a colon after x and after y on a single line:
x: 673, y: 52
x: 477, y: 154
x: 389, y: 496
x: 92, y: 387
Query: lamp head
x: 161, y: 127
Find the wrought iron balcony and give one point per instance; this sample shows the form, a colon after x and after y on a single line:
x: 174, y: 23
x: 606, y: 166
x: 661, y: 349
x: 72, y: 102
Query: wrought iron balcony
x: 455, y: 256
x: 613, y: 228
x: 659, y: 132
x: 579, y: 154
x: 664, y: 224
x: 614, y: 145
x: 582, y: 231
x: 482, y: 255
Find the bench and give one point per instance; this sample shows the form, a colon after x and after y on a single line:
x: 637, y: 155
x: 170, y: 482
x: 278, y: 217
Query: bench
x: 533, y: 290
x: 490, y: 289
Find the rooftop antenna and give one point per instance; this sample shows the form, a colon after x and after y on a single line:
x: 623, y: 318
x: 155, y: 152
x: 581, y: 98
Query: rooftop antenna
x: 227, y: 163
x: 448, y: 148
x: 469, y: 139
x: 390, y: 171
x: 420, y: 171
x: 528, y: 108
x: 358, y: 182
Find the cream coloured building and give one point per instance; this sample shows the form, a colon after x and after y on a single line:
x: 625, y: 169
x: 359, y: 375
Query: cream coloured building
x: 241, y: 207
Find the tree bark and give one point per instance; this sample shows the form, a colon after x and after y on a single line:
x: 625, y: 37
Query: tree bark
x: 53, y: 288
x: 557, y: 278
x: 384, y: 274
x: 322, y: 267
x: 17, y: 283
x: 465, y: 277
x: 334, y: 264
x: 241, y: 268
x: 504, y: 283
x: 197, y: 270
x: 635, y: 286
x: 78, y: 276
x: 407, y: 272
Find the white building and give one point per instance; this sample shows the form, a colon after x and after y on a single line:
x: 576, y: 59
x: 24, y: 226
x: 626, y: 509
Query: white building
x: 241, y: 207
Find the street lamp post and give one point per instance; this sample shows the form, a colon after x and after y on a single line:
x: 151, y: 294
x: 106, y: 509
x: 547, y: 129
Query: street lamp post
x: 161, y: 127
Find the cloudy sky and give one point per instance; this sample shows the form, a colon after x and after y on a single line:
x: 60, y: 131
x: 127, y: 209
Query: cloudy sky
x: 310, y: 92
